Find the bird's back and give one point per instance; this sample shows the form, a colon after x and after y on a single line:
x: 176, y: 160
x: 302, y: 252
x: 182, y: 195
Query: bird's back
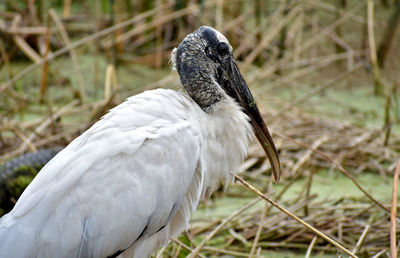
x: 119, y: 183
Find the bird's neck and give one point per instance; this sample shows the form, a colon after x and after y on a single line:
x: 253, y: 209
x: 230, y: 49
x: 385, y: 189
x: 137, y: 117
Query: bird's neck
x: 206, y: 96
x: 227, y: 131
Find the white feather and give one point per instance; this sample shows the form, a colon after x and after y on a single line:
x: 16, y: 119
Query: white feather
x: 143, y: 167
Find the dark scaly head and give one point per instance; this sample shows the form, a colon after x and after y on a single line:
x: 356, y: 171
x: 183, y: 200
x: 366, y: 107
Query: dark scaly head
x: 208, y: 71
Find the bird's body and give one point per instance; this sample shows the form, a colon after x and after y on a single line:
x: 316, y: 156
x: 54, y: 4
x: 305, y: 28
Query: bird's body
x: 156, y: 147
x: 131, y: 181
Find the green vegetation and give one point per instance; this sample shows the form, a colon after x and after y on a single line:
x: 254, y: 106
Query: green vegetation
x: 309, y: 65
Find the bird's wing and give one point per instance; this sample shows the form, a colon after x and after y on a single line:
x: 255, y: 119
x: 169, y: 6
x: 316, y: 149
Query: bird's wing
x: 122, y: 179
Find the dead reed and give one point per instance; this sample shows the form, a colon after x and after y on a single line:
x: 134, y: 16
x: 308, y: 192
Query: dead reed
x: 311, y: 46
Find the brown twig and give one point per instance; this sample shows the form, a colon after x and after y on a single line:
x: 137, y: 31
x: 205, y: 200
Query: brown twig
x: 80, y: 42
x: 293, y: 216
x: 361, y: 239
x: 378, y: 86
x: 72, y: 53
x: 43, y: 82
x: 393, y: 246
x: 196, y: 251
x: 340, y: 167
x: 185, y: 246
x: 258, y: 233
x: 38, y: 130
x: 310, y: 247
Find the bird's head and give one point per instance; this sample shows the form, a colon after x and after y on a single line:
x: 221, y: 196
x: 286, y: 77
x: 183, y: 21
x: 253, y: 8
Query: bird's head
x: 208, y: 71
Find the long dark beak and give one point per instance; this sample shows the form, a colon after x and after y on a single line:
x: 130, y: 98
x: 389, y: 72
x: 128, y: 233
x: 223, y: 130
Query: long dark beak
x: 242, y: 94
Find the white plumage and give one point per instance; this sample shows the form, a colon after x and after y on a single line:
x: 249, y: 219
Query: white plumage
x: 131, y: 181
x: 144, y: 158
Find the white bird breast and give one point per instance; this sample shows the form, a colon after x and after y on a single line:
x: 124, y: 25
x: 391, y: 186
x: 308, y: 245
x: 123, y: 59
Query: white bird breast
x: 138, y: 172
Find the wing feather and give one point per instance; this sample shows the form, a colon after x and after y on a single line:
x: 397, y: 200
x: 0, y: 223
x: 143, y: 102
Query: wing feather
x: 121, y: 179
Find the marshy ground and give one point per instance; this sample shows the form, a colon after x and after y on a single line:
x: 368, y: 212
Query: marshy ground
x: 332, y: 108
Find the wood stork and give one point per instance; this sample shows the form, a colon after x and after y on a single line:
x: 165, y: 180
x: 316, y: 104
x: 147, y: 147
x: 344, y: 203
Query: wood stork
x: 131, y: 181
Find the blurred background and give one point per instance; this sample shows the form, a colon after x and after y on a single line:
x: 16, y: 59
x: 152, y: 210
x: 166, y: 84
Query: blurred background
x: 324, y: 72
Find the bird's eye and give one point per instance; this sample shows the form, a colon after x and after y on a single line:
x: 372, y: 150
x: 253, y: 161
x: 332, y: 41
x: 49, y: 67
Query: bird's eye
x: 222, y: 48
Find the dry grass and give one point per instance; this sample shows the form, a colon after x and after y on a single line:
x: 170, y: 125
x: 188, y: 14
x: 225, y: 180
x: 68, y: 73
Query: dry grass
x: 312, y: 47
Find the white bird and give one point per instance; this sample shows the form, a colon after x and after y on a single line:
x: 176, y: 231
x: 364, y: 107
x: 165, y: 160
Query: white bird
x: 131, y: 181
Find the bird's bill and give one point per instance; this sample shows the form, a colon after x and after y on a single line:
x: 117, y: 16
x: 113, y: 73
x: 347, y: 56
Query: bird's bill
x: 244, y: 96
